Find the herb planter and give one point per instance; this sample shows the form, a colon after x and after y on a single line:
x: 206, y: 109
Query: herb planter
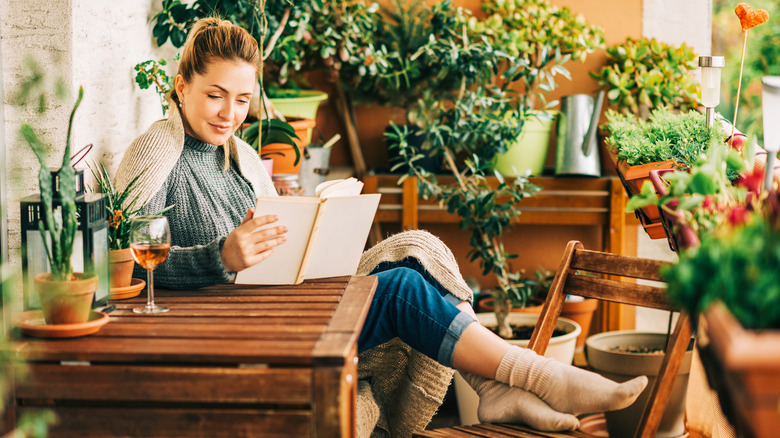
x: 604, y: 358
x: 561, y: 348
x: 633, y: 177
x: 66, y: 302
x: 743, y: 366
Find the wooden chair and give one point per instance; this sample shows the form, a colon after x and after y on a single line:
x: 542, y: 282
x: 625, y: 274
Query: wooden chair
x: 609, y: 277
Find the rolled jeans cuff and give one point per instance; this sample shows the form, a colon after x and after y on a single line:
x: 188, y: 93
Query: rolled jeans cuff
x: 451, y: 337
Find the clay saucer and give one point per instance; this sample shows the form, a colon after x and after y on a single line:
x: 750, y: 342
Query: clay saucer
x: 32, y: 323
x: 123, y: 293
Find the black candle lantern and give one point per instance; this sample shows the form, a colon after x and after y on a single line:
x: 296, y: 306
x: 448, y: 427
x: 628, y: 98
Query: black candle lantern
x: 90, y: 247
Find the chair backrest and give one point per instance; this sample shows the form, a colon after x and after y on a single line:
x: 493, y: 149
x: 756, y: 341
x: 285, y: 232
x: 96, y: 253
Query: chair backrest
x: 612, y: 277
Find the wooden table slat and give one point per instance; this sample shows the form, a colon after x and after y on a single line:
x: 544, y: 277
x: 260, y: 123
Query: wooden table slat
x: 215, y: 385
x: 93, y: 421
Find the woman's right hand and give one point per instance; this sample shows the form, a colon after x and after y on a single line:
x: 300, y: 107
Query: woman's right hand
x: 250, y: 244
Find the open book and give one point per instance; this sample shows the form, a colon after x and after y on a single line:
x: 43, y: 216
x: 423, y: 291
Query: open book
x: 326, y: 233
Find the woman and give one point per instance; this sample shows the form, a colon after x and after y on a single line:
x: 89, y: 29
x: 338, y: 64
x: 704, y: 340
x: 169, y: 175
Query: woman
x: 193, y: 161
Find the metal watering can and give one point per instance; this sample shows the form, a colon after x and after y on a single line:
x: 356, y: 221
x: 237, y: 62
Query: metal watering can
x: 577, y: 150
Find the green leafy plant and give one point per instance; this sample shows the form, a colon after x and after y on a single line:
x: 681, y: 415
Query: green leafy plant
x: 152, y: 73
x: 665, y: 135
x: 644, y: 74
x: 274, y: 131
x: 30, y: 423
x: 121, y: 207
x: 486, y: 211
x: 738, y: 264
x: 59, y: 223
x: 541, y: 38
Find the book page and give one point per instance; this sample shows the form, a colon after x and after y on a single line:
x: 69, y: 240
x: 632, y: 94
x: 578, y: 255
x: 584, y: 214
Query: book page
x: 341, y: 234
x: 283, y: 266
x: 339, y: 187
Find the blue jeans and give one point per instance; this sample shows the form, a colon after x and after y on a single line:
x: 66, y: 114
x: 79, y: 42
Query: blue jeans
x: 411, y: 305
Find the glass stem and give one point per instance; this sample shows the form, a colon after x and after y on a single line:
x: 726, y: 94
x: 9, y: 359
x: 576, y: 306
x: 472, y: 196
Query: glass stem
x: 150, y: 295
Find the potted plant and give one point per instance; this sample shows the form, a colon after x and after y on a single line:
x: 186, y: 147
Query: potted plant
x: 666, y: 140
x: 152, y: 73
x: 625, y: 354
x: 121, y: 208
x: 541, y: 38
x: 644, y: 74
x: 731, y: 279
x: 66, y: 297
x: 694, y: 201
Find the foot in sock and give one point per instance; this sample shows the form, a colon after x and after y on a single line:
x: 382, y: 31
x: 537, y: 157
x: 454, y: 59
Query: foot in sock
x: 564, y: 387
x: 500, y: 403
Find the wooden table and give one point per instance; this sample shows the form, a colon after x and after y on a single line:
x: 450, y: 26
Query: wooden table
x: 226, y: 361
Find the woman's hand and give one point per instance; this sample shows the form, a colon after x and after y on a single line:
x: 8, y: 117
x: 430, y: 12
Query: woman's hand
x: 249, y: 244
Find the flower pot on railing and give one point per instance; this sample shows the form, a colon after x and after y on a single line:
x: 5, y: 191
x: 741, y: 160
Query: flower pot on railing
x: 633, y: 177
x: 680, y: 235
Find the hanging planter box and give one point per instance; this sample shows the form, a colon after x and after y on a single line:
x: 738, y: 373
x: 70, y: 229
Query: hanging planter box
x: 743, y: 366
x: 633, y: 178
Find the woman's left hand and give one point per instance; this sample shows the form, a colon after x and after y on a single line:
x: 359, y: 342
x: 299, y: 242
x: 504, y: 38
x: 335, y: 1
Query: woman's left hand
x: 250, y: 244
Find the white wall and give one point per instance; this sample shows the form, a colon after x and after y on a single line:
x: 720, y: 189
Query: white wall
x: 96, y: 43
x: 673, y: 22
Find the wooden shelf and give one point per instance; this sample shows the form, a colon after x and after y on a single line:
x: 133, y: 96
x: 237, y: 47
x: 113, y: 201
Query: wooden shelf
x: 562, y: 201
x: 565, y: 201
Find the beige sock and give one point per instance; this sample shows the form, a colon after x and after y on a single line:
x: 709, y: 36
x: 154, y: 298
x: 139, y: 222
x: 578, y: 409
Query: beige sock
x: 500, y: 403
x: 564, y: 387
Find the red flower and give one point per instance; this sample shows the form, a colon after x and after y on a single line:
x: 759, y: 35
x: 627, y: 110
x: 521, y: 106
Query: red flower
x: 752, y: 181
x: 738, y: 215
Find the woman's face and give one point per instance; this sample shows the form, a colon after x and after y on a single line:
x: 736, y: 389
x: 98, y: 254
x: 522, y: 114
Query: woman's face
x: 215, y: 103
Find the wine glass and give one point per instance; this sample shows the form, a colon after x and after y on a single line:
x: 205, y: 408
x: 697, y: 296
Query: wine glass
x: 150, y: 242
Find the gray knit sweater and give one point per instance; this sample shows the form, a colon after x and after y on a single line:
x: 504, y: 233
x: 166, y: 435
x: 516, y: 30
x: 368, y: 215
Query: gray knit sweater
x: 208, y: 203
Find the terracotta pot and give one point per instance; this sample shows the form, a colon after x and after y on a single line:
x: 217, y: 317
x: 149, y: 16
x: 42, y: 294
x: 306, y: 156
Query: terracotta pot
x: 633, y: 178
x: 121, y: 267
x: 284, y: 154
x: 66, y: 302
x: 582, y: 313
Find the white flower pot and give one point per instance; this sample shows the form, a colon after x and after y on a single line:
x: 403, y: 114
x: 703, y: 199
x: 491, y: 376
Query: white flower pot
x: 561, y: 348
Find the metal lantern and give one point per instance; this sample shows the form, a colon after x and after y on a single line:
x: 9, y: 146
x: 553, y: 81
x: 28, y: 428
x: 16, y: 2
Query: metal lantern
x: 770, y: 104
x: 710, y: 84
x: 90, y: 247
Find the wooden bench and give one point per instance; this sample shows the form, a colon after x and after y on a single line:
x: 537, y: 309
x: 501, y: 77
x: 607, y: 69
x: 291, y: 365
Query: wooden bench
x: 226, y: 361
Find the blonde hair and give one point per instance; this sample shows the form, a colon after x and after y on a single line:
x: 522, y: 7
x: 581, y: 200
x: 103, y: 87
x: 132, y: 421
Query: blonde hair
x: 213, y: 39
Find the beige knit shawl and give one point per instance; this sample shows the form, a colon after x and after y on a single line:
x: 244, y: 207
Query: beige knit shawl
x: 159, y: 148
x: 407, y: 386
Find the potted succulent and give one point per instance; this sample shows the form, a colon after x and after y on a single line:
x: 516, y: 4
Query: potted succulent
x: 644, y: 74
x: 66, y: 297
